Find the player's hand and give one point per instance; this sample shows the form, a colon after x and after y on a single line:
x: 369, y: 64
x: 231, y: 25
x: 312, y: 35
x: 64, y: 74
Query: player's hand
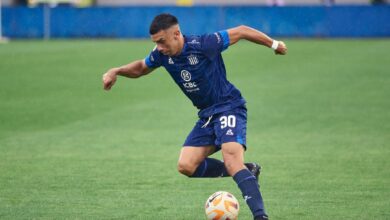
x: 282, y: 49
x: 109, y: 79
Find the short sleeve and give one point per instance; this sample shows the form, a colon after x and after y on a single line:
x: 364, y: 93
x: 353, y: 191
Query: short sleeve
x: 153, y: 60
x: 214, y: 44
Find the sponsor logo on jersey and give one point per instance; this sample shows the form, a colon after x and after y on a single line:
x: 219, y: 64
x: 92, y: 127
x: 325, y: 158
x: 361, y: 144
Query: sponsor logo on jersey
x: 170, y: 61
x: 185, y: 75
x: 193, y: 59
x: 189, y: 86
x: 151, y: 58
x: 229, y: 132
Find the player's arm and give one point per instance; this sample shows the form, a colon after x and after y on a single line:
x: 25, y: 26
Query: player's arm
x: 255, y: 36
x: 132, y: 70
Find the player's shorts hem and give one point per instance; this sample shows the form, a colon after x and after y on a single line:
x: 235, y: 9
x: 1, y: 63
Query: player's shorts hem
x: 243, y: 145
x: 217, y: 147
x: 198, y: 145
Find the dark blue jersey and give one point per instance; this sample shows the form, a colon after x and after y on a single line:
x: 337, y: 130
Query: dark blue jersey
x: 200, y: 73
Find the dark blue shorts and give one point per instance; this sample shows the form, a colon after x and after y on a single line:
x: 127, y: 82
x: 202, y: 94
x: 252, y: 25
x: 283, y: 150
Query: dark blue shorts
x: 229, y: 126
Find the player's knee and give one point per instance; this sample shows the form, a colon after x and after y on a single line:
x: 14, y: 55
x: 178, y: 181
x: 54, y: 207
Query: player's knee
x: 185, y: 168
x: 232, y: 164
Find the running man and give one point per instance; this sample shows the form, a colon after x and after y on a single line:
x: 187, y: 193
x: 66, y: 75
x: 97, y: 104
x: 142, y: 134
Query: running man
x: 196, y: 65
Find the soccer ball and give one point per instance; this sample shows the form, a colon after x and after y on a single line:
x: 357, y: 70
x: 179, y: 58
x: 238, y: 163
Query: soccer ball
x: 222, y: 206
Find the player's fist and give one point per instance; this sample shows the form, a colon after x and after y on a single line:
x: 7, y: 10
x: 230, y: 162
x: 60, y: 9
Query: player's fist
x: 282, y: 49
x: 109, y: 79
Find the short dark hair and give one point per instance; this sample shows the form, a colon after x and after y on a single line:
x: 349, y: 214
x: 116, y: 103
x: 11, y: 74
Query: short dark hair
x: 162, y: 22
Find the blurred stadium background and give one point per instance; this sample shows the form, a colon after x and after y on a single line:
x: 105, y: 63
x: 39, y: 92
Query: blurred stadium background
x: 319, y: 119
x: 130, y: 18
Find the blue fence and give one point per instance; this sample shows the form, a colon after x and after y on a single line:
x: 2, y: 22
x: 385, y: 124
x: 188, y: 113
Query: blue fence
x: 133, y: 22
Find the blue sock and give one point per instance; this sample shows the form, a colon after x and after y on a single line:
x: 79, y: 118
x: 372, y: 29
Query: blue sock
x: 250, y: 191
x: 210, y: 167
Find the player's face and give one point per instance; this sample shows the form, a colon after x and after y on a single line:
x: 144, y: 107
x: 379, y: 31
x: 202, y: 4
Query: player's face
x: 167, y: 41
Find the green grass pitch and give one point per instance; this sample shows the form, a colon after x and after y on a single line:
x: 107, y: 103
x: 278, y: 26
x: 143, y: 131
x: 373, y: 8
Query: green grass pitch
x: 318, y: 122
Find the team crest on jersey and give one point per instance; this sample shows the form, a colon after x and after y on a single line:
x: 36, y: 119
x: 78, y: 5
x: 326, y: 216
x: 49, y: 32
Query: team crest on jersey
x: 170, y: 61
x: 193, y: 59
x: 185, y: 75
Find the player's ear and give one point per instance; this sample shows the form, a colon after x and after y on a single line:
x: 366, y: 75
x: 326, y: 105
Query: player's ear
x: 176, y: 34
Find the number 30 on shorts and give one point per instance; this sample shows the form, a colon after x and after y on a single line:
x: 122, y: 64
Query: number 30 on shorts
x: 228, y: 121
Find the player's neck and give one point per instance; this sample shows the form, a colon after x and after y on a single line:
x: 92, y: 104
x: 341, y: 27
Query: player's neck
x: 181, y: 45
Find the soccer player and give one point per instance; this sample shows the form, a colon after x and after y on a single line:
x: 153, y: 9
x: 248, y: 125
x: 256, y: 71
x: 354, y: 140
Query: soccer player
x: 196, y: 65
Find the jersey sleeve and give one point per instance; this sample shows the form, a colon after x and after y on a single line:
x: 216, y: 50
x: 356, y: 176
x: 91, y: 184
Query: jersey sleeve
x: 153, y: 60
x: 216, y: 43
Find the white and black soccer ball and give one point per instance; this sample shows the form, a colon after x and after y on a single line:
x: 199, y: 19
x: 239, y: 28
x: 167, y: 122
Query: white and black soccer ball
x: 222, y: 205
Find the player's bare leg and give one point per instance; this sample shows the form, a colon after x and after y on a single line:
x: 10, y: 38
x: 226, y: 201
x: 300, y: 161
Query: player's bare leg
x: 191, y: 157
x: 233, y: 155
